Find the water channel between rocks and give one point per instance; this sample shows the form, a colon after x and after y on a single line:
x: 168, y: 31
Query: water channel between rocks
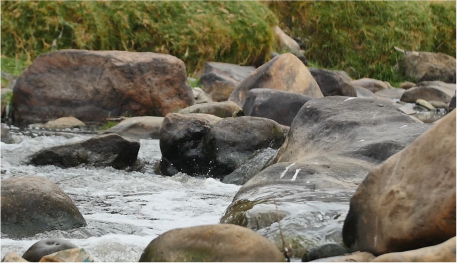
x: 124, y: 210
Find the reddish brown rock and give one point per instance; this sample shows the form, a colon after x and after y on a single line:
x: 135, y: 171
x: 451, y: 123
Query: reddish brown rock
x: 285, y: 72
x: 93, y: 85
x: 408, y: 201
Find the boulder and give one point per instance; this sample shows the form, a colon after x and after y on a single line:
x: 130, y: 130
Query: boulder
x: 68, y: 255
x: 280, y: 106
x: 222, y: 109
x: 407, y: 85
x: 145, y: 127
x: 427, y: 66
x: 354, y: 257
x: 408, y: 201
x: 216, y: 243
x: 452, y: 103
x: 13, y: 257
x: 333, y: 83
x: 33, y: 204
x: 202, y: 144
x: 444, y: 252
x: 324, y: 251
x: 390, y: 93
x: 284, y: 72
x: 6, y: 135
x: 429, y: 90
x: 46, y: 247
x: 425, y: 104
x: 200, y: 96
x: 60, y: 123
x: 94, y: 85
x: 103, y: 150
x: 439, y: 104
x: 332, y: 144
x: 373, y: 85
x: 232, y: 71
x: 364, y: 93
x: 286, y: 43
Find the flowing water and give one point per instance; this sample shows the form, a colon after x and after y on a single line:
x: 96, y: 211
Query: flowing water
x: 124, y: 211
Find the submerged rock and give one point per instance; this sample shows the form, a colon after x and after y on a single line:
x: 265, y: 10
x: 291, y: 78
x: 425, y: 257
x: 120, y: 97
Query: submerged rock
x: 408, y: 201
x: 46, y: 247
x: 324, y: 251
x: 216, y: 243
x: 284, y: 72
x: 94, y: 85
x: 33, y: 204
x: 103, y: 150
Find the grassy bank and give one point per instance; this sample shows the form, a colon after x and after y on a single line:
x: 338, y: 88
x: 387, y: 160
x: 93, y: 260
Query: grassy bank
x: 358, y: 37
x: 234, y: 32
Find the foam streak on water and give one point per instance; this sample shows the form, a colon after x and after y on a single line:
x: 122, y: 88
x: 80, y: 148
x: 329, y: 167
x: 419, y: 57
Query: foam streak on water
x: 124, y: 210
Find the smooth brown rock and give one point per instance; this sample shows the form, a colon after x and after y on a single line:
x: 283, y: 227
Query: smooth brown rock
x: 94, y: 85
x: 69, y: 255
x: 13, y: 257
x: 408, y: 201
x: 427, y: 66
x: 429, y: 90
x: 145, y: 127
x: 439, y: 104
x: 444, y: 252
x: 216, y: 243
x: 364, y: 93
x: 390, y: 93
x: 373, y: 85
x: 222, y: 109
x: 407, y: 85
x: 425, y: 104
x: 33, y: 204
x: 354, y: 257
x: 60, y: 123
x: 46, y: 247
x: 284, y: 72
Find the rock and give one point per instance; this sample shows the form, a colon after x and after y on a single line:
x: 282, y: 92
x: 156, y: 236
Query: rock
x: 146, y: 127
x: 94, y: 85
x: 232, y: 71
x: 46, y: 247
x: 208, y: 243
x: 284, y: 72
x: 372, y: 85
x: 332, y: 144
x: 280, y: 106
x: 68, y: 255
x: 33, y: 204
x: 250, y: 167
x: 364, y: 93
x: 407, y: 85
x: 407, y: 110
x: 452, y: 104
x: 439, y: 104
x: 425, y: 104
x: 288, y: 44
x: 412, y: 192
x: 427, y: 66
x: 444, y: 252
x: 333, y: 83
x: 60, y: 123
x: 390, y: 93
x: 354, y: 257
x: 197, y: 144
x: 220, y: 109
x: 103, y: 150
x: 218, y: 87
x: 6, y: 135
x: 324, y: 251
x: 429, y: 90
x: 13, y: 257
x: 200, y: 96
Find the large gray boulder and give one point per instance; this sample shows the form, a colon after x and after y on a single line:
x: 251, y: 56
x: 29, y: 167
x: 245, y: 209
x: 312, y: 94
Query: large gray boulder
x: 104, y: 150
x: 332, y: 144
x: 280, y: 106
x: 32, y: 205
x: 94, y: 85
x: 333, y: 83
x: 429, y: 90
x: 202, y: 144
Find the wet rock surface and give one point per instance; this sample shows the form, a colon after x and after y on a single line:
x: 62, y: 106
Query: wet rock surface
x: 32, y: 205
x: 103, y: 150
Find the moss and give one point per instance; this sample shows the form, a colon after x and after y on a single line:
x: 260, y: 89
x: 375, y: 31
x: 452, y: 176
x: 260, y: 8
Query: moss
x: 358, y: 36
x: 233, y: 32
x: 236, y: 212
x: 108, y: 125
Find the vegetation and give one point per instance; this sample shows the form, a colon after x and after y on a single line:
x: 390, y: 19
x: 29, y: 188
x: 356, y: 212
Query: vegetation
x: 358, y: 37
x: 234, y: 32
x: 108, y: 125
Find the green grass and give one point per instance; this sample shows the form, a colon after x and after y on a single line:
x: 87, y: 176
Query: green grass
x: 13, y: 66
x: 194, y: 83
x: 232, y: 32
x: 358, y: 36
x: 108, y: 125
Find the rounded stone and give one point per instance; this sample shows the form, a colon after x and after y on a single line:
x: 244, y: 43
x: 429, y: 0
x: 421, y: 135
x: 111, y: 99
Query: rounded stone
x: 46, y: 247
